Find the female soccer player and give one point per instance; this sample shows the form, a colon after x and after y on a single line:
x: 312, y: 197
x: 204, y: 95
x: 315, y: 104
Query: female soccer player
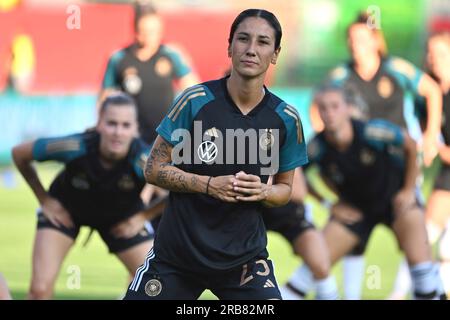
x: 99, y: 187
x: 215, y: 151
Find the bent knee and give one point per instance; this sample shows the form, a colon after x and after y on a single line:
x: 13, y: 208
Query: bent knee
x: 320, y: 269
x: 40, y: 290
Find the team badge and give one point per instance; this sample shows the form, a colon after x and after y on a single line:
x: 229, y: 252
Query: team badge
x: 267, y: 140
x: 153, y: 287
x: 132, y: 83
x: 207, y: 151
x: 213, y: 132
x: 163, y: 67
x: 367, y: 157
x: 80, y: 182
x: 126, y: 183
x: 385, y: 87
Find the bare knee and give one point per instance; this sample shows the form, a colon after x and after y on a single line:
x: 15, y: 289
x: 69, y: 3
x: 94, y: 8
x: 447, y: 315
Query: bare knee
x: 320, y: 269
x: 40, y: 290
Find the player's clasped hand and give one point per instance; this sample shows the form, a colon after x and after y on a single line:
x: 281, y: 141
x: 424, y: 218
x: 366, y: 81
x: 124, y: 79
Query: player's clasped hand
x: 54, y: 211
x: 222, y: 188
x: 240, y: 187
x: 249, y: 187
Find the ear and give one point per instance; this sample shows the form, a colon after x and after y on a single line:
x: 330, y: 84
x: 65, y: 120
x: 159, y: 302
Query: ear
x: 229, y: 51
x: 275, y: 56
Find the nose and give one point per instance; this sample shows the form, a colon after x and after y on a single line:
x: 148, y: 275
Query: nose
x: 251, y: 49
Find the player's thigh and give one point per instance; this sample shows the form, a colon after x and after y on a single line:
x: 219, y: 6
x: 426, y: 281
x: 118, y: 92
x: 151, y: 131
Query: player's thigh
x: 409, y: 229
x: 254, y: 280
x: 311, y: 246
x: 156, y: 280
x: 339, y: 239
x: 131, y: 251
x: 50, y: 248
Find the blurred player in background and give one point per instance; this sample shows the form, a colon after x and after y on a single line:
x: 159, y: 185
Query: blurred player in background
x: 294, y: 222
x: 99, y: 187
x: 372, y: 167
x: 147, y: 69
x: 438, y: 206
x: 381, y: 81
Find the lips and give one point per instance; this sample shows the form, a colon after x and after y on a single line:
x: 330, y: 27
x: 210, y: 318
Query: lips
x: 249, y: 62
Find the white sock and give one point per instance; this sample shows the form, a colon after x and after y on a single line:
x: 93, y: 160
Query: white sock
x: 427, y: 281
x: 353, y: 268
x: 300, y: 283
x: 326, y: 289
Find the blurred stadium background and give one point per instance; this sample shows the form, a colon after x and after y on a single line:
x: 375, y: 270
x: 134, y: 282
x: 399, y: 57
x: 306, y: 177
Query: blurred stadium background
x: 61, y: 67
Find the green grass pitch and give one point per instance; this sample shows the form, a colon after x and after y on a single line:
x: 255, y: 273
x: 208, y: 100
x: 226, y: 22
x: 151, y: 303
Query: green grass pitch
x: 102, y: 275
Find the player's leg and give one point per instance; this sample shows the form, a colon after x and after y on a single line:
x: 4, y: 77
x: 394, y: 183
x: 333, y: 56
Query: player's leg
x: 403, y: 282
x: 294, y: 222
x: 339, y: 240
x: 51, y: 245
x: 130, y: 251
x: 311, y: 246
x: 409, y: 228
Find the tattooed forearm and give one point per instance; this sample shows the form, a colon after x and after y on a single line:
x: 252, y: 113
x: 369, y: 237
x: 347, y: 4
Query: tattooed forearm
x: 194, y: 181
x: 160, y: 171
x: 173, y: 180
x: 160, y: 153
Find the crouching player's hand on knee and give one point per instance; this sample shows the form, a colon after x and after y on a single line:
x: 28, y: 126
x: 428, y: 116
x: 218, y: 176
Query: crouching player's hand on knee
x: 129, y: 227
x: 404, y: 200
x: 54, y: 211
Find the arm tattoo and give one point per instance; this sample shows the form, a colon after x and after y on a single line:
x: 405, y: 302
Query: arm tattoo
x: 166, y: 176
x: 172, y: 180
x: 161, y: 152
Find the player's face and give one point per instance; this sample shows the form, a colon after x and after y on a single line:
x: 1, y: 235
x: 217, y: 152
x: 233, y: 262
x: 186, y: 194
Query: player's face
x: 361, y: 41
x: 438, y: 56
x: 252, y: 48
x: 332, y: 109
x: 117, y: 127
x: 149, y: 31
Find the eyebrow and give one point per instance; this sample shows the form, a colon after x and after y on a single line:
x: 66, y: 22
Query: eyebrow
x: 242, y: 33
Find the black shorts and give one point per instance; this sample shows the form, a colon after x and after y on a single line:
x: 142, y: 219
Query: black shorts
x: 158, y: 280
x: 370, y: 219
x: 115, y: 245
x: 290, y: 220
x: 442, y: 181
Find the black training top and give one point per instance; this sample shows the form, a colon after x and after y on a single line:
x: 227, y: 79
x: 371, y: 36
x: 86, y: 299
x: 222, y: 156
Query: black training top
x: 212, y: 137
